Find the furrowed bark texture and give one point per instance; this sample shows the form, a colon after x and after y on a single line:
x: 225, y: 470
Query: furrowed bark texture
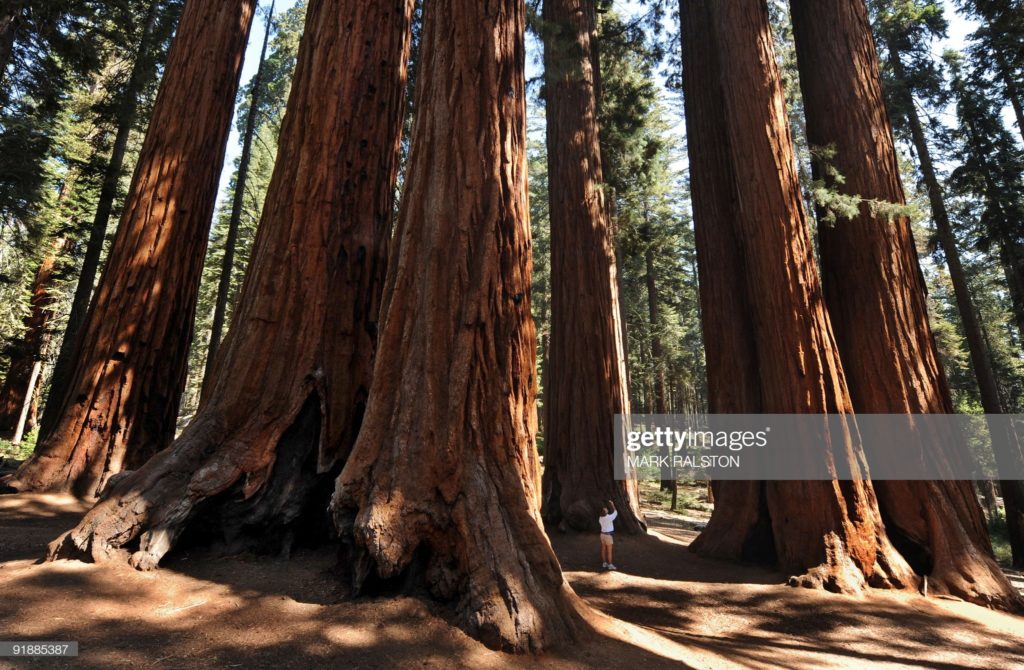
x: 142, y: 73
x: 292, y: 378
x: 21, y: 385
x: 731, y: 356
x: 122, y: 401
x: 828, y: 530
x: 977, y: 345
x: 586, y: 384
x: 443, y: 481
x: 875, y: 295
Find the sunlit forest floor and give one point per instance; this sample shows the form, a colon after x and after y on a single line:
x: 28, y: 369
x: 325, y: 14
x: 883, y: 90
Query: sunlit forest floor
x: 206, y: 611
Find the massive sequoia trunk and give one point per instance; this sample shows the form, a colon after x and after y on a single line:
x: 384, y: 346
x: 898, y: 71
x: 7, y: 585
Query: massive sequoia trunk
x: 828, y: 530
x: 122, y: 398
x: 977, y: 346
x: 443, y: 481
x: 875, y: 295
x: 143, y: 71
x: 586, y: 373
x: 18, y: 394
x: 291, y: 381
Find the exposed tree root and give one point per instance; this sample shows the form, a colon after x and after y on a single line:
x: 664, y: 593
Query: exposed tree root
x: 491, y: 558
x: 843, y: 548
x: 245, y: 500
x: 940, y: 529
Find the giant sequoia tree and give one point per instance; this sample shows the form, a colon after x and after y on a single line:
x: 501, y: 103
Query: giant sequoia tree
x: 157, y: 24
x: 122, y: 399
x: 444, y: 479
x: 785, y: 356
x: 905, y: 31
x: 875, y: 295
x: 586, y: 364
x: 291, y: 379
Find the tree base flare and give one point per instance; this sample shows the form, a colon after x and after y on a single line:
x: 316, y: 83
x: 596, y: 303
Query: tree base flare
x: 250, y: 497
x: 822, y: 531
x: 494, y: 563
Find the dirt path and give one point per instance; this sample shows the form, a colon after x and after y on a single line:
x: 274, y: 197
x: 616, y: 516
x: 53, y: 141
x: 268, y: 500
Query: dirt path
x: 201, y: 611
x: 745, y: 614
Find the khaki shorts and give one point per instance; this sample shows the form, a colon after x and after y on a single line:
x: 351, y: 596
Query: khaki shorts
x: 606, y: 538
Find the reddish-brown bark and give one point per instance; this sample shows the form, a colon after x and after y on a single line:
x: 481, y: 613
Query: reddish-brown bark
x: 291, y: 380
x: 444, y: 478
x: 122, y: 400
x: 21, y: 385
x: 828, y: 530
x: 730, y: 354
x: 143, y: 72
x: 586, y: 367
x: 977, y: 345
x: 875, y: 295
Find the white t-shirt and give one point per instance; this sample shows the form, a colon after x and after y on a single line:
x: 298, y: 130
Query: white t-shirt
x: 606, y: 522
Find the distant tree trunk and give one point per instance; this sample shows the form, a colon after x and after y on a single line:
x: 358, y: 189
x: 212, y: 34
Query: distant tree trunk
x: 291, y: 380
x: 987, y: 488
x: 122, y: 400
x: 828, y: 530
x: 657, y: 352
x: 981, y: 362
x: 444, y: 481
x: 237, y: 203
x: 620, y: 286
x: 587, y: 382
x: 541, y: 428
x: 10, y: 17
x: 26, y: 408
x: 1011, y: 257
x: 64, y: 366
x: 1011, y: 249
x: 1012, y: 90
x: 875, y: 295
x: 21, y: 385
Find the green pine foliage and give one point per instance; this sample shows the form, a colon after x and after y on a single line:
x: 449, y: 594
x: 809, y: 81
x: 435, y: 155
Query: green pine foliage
x: 997, y: 46
x: 644, y: 161
x: 980, y: 164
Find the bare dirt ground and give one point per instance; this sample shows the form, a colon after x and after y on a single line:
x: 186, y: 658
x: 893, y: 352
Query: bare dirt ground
x: 203, y: 611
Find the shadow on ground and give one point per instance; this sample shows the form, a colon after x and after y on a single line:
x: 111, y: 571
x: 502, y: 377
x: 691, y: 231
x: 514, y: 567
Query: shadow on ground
x: 202, y: 611
x: 746, y: 614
